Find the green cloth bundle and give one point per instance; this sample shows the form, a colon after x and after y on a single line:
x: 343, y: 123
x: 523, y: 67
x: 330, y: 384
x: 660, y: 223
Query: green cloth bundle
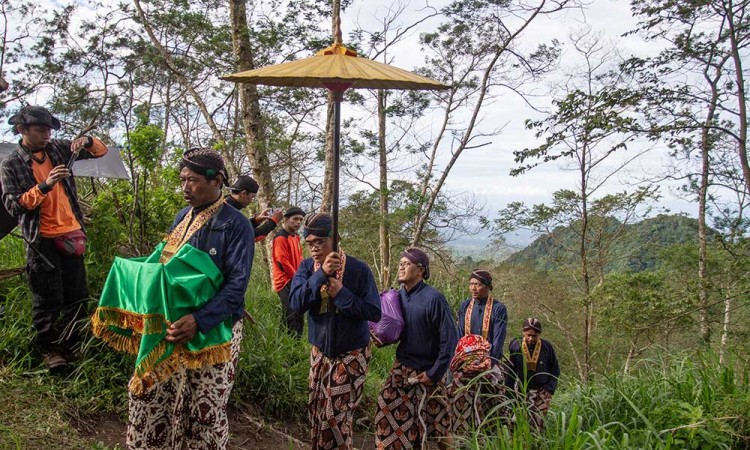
x: 142, y: 297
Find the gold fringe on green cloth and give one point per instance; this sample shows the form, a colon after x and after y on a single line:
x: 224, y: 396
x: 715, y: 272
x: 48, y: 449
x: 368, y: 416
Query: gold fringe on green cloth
x: 143, y: 380
x: 140, y: 323
x: 149, y: 369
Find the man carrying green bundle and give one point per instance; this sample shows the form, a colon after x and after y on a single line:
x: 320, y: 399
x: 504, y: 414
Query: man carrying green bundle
x: 181, y: 311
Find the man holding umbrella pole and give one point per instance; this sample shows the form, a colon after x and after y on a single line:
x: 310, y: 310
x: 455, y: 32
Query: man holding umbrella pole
x: 340, y: 296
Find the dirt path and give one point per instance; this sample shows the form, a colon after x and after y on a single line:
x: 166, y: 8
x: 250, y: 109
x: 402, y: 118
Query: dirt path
x: 247, y: 432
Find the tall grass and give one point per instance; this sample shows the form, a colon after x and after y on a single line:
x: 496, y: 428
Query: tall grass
x: 687, y: 403
x: 675, y: 402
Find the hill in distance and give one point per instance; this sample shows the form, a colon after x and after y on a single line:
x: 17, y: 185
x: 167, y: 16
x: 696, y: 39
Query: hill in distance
x: 635, y: 248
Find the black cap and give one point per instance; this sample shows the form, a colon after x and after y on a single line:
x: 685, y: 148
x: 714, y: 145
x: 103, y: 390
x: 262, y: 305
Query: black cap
x: 245, y: 183
x: 34, y: 115
x: 293, y: 211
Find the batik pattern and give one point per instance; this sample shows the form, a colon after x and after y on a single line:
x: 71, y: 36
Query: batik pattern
x: 538, y: 400
x: 336, y: 386
x: 409, y: 413
x: 188, y: 410
x: 475, y: 397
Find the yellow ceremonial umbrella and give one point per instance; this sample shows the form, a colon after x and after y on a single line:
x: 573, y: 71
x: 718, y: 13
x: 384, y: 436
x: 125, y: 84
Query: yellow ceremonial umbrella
x: 337, y: 69
x: 333, y: 66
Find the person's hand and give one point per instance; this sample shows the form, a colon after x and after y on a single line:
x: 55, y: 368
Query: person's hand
x: 264, y: 215
x: 424, y: 379
x: 334, y: 286
x: 277, y: 216
x: 57, y: 174
x: 79, y: 144
x: 183, y: 330
x: 332, y: 264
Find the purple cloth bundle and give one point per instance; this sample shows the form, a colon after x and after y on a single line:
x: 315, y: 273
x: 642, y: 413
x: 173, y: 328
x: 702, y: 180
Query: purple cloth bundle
x: 388, y: 329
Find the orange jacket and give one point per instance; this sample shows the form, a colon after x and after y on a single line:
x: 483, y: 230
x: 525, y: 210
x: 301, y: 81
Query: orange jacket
x: 56, y: 211
x: 287, y: 256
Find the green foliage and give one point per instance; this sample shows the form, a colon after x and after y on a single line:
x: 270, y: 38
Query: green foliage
x: 688, y: 402
x: 642, y: 306
x: 639, y: 247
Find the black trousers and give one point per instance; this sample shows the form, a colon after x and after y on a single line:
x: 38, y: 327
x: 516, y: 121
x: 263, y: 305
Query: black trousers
x: 59, y: 296
x: 292, y: 320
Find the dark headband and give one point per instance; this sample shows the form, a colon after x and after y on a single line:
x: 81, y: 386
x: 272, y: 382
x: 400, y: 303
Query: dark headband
x: 320, y: 225
x: 483, y: 276
x: 205, y: 161
x: 417, y: 256
x: 532, y: 324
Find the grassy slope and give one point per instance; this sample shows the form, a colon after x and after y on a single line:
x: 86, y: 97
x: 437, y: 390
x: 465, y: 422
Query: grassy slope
x: 677, y: 403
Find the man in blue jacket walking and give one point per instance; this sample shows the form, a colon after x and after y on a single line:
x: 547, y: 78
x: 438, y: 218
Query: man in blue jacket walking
x: 339, y: 294
x: 413, y: 406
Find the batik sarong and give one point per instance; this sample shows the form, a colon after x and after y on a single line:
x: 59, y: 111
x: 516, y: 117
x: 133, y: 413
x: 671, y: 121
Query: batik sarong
x: 477, y: 397
x: 409, y: 413
x: 187, y: 410
x: 538, y: 400
x: 336, y: 386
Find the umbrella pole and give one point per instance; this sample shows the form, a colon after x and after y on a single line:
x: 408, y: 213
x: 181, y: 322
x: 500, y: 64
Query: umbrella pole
x: 337, y: 89
x: 338, y: 96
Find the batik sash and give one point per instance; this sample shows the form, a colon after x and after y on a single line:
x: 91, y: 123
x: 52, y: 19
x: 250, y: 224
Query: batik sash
x: 531, y: 360
x: 472, y: 355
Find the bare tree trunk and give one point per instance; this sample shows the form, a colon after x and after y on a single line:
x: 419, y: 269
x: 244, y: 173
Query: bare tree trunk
x: 327, y: 201
x: 740, y: 86
x: 588, y: 306
x: 385, y: 238
x: 424, y: 214
x: 425, y: 210
x: 167, y: 113
x: 250, y: 105
x: 725, y: 330
x: 629, y: 359
x: 705, y: 330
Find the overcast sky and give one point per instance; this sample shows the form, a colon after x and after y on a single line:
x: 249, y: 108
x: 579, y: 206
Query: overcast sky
x: 485, y: 170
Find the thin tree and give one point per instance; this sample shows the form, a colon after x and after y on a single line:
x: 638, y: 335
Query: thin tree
x: 476, y: 52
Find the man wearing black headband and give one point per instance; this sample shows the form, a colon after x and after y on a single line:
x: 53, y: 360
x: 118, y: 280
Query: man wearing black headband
x: 483, y: 320
x: 241, y: 194
x: 480, y: 287
x: 340, y: 296
x: 535, y: 370
x: 413, y: 404
x: 225, y: 235
x: 39, y: 190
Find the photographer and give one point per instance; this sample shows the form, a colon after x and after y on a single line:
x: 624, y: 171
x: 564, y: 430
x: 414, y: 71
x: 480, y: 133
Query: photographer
x: 242, y: 193
x: 39, y: 190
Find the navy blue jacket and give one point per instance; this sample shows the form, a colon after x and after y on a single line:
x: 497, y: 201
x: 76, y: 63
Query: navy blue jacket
x: 358, y: 301
x: 429, y: 337
x: 498, y: 324
x: 228, y: 238
x: 548, y: 370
